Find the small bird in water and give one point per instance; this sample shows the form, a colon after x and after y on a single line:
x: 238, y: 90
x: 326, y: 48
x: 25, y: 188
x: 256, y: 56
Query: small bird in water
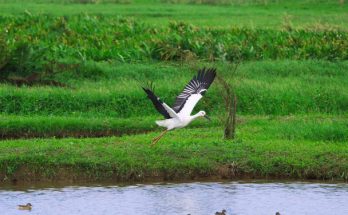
x: 25, y: 207
x: 223, y: 212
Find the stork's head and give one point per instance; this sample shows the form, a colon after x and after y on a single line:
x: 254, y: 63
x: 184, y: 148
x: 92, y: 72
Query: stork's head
x: 203, y: 114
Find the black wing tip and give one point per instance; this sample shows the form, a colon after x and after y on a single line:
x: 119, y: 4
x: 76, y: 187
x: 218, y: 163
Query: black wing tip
x: 157, y: 102
x: 151, y: 94
x: 148, y: 87
x: 206, y: 75
x: 147, y: 90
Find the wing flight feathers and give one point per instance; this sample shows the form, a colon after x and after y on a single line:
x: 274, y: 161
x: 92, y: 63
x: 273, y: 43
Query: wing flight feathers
x: 196, y: 88
x: 157, y: 103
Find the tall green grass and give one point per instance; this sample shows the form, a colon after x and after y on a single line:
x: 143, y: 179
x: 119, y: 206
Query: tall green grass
x: 269, y: 87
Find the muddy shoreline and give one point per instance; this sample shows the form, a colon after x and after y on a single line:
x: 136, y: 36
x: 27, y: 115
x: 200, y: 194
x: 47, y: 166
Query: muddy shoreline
x: 69, y: 176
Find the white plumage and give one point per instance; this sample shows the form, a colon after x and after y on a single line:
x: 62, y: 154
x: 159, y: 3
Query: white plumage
x: 180, y: 115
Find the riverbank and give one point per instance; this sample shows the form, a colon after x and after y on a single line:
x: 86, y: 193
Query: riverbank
x: 265, y: 148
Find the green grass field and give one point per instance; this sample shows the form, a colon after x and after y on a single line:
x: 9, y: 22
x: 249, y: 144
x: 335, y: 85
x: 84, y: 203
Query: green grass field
x: 291, y: 84
x: 300, y: 13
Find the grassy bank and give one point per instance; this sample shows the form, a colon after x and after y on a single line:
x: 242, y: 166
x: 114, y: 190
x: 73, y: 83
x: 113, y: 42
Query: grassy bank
x: 265, y: 148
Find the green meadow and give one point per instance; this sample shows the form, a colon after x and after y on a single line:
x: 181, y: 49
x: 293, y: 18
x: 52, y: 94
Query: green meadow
x: 72, y: 107
x: 220, y: 13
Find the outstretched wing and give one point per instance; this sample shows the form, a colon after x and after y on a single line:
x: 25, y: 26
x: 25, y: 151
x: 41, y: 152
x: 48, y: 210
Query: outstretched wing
x: 194, y: 91
x: 160, y: 106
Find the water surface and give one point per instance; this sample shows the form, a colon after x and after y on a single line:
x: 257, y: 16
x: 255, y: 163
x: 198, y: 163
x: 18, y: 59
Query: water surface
x: 185, y: 198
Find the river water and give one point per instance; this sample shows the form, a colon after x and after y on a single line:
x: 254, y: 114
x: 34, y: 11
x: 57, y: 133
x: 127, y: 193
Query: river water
x: 252, y: 198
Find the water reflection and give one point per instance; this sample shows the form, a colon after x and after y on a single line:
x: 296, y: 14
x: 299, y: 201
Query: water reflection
x: 187, y: 198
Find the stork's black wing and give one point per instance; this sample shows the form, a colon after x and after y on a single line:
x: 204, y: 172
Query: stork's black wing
x: 194, y: 90
x: 157, y: 103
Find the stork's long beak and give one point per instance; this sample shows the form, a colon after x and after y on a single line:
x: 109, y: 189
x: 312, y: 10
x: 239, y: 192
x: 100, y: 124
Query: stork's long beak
x: 207, y: 117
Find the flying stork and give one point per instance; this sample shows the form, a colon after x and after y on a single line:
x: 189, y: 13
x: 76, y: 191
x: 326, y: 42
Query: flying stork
x: 179, y: 115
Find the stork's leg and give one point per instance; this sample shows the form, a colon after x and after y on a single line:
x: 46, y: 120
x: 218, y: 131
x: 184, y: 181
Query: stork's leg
x: 155, y: 140
x: 158, y: 137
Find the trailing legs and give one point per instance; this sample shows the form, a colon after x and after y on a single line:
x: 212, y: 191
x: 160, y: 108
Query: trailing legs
x: 156, y: 139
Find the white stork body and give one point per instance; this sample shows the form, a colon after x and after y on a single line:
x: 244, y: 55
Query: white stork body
x: 182, y: 118
x: 174, y: 123
x: 180, y: 115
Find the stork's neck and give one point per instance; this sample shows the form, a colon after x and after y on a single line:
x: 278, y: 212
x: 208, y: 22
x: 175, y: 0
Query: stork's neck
x: 193, y: 117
